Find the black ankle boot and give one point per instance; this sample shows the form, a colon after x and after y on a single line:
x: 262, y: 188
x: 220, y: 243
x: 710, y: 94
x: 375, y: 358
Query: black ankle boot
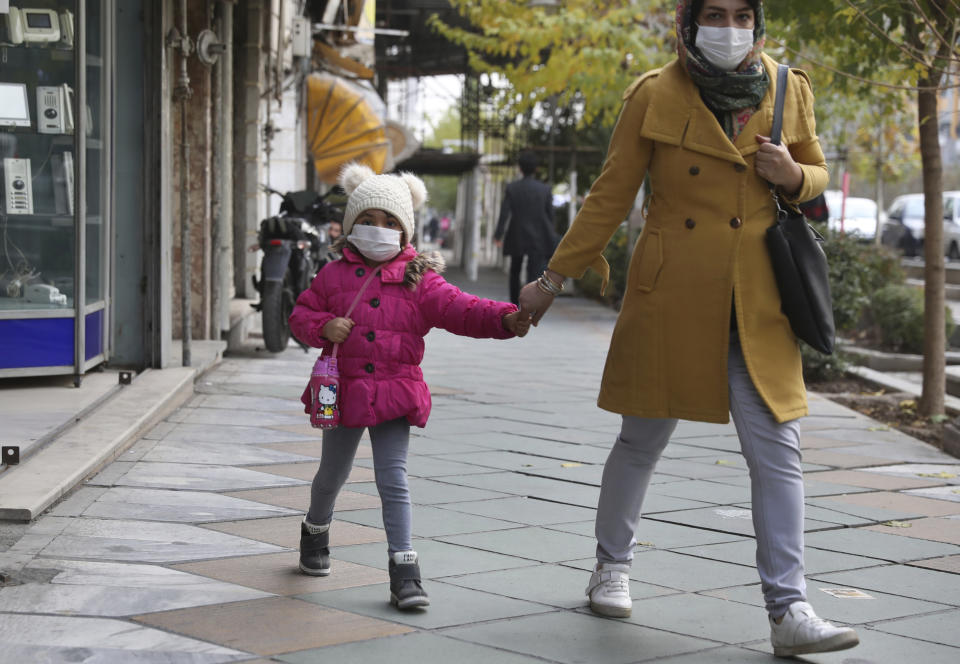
x: 314, y: 551
x: 406, y: 590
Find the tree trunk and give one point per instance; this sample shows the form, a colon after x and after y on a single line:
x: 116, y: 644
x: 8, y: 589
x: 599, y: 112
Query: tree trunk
x: 934, y: 338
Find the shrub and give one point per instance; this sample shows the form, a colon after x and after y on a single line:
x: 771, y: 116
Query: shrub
x: 896, y: 318
x: 856, y: 271
x: 820, y: 368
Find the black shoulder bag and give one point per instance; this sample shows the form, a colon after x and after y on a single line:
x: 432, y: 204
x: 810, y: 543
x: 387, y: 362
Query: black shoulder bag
x: 798, y: 260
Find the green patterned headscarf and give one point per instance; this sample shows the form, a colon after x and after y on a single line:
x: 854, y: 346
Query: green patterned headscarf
x: 732, y: 96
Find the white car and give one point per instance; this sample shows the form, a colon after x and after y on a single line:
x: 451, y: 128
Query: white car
x: 905, y: 227
x: 855, y: 216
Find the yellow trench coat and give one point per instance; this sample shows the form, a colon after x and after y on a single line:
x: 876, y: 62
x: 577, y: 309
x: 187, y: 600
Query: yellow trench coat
x: 702, y: 244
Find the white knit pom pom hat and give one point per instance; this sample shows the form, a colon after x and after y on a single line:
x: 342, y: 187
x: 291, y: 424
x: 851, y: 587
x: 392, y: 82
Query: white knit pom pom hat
x: 399, y: 195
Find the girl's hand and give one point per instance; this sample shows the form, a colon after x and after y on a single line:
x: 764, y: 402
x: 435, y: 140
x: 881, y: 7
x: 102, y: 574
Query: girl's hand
x: 517, y: 323
x: 775, y: 165
x: 337, y: 330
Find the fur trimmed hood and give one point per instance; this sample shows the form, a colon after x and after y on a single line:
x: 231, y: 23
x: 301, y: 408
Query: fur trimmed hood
x: 416, y: 267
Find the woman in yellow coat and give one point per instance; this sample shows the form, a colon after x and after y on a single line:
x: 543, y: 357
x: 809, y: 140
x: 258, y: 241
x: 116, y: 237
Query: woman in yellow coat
x: 700, y: 335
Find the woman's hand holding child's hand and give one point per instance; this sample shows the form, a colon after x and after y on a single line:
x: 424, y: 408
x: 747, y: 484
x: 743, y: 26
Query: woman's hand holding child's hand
x: 517, y: 323
x: 337, y: 330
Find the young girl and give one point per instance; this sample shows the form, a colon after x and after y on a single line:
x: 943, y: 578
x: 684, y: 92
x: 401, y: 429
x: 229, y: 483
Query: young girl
x: 381, y: 384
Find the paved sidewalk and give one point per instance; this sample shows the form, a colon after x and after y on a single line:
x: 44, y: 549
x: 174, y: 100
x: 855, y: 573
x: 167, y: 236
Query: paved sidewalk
x: 184, y: 549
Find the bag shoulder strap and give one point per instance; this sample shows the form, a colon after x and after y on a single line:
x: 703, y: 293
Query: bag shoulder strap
x: 356, y: 299
x: 777, y: 129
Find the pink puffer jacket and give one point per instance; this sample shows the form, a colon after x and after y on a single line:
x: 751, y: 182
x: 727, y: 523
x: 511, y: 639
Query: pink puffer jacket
x: 380, y: 376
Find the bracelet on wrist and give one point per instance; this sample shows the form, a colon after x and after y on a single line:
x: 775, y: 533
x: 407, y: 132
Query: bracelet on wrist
x: 556, y: 285
x: 549, y: 287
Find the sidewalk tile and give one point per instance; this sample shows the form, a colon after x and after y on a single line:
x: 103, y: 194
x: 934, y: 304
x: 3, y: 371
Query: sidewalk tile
x: 901, y: 580
x: 861, y: 478
x: 176, y: 506
x: 217, y: 453
x: 449, y: 605
x: 285, y: 531
x: 892, y: 548
x: 32, y: 639
x: 533, y: 543
x: 437, y: 559
x: 298, y: 498
x: 415, y: 648
x: 554, y: 585
x: 945, y: 473
x: 678, y: 571
x: 842, y: 610
x: 431, y: 521
x: 419, y: 465
x: 900, y: 502
x: 702, y: 617
x: 520, y: 509
x: 575, y: 638
x: 744, y: 552
x: 115, y: 589
x: 935, y: 529
x: 147, y: 542
x: 237, y: 435
x: 314, y: 448
x: 880, y: 648
x: 278, y: 573
x: 307, y: 470
x: 523, y: 485
x: 430, y: 492
x: 842, y: 459
x: 951, y: 493
x: 704, y: 491
x: 197, y: 477
x: 812, y: 441
x: 936, y: 628
x: 946, y: 564
x: 724, y: 655
x: 271, y: 626
x: 726, y: 519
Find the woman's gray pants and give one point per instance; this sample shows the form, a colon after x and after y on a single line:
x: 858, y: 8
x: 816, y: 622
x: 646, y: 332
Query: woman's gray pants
x: 772, y: 451
x: 389, y: 442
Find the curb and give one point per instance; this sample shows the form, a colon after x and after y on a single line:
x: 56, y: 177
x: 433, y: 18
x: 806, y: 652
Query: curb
x: 951, y: 403
x: 52, y: 472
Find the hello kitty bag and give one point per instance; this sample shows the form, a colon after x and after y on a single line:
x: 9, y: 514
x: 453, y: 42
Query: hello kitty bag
x: 324, y: 387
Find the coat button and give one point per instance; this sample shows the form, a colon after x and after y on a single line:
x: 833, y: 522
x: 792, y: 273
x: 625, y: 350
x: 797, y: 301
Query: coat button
x: 375, y: 302
x: 360, y: 271
x: 736, y: 223
x: 371, y: 336
x: 740, y: 168
x: 690, y: 223
x: 694, y: 170
x: 369, y: 368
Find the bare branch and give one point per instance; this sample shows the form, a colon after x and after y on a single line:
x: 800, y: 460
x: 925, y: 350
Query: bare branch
x: 910, y: 50
x: 931, y: 24
x: 880, y: 84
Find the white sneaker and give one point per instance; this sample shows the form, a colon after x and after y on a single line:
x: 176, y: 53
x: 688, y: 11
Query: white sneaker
x: 609, y: 590
x: 801, y: 632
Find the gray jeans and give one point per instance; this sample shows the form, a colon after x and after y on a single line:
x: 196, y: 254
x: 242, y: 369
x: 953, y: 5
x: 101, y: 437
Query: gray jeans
x: 389, y: 441
x: 772, y: 451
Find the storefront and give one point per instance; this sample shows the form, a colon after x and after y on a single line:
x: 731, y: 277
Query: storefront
x: 56, y: 103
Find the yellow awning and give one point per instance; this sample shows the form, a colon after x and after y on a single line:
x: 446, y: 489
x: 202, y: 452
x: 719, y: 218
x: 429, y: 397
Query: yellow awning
x: 343, y: 126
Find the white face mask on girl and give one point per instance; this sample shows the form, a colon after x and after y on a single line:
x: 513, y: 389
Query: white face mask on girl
x: 724, y: 48
x: 377, y: 244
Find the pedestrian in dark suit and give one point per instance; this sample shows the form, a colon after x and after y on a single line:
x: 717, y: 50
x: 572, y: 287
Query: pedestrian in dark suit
x: 525, y: 227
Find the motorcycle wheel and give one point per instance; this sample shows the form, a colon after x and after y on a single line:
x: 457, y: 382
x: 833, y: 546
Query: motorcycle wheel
x: 277, y: 304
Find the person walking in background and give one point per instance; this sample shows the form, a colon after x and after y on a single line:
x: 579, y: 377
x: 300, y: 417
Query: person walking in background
x: 525, y: 226
x: 700, y: 335
x: 381, y: 385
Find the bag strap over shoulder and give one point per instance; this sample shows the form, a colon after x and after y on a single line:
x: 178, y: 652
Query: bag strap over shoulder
x: 777, y: 129
x: 353, y: 304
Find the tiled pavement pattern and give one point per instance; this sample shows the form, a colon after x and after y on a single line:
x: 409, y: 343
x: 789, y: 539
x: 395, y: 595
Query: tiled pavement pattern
x: 183, y: 550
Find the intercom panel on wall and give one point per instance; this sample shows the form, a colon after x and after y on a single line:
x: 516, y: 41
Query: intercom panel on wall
x: 51, y: 111
x: 18, y: 186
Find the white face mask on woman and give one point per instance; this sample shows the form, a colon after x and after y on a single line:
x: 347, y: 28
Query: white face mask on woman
x: 724, y: 48
x: 377, y: 244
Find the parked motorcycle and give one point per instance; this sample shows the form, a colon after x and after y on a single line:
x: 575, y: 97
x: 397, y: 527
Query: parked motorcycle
x: 295, y: 244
